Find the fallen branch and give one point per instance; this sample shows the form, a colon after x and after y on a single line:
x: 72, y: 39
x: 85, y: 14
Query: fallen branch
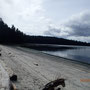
x: 53, y: 84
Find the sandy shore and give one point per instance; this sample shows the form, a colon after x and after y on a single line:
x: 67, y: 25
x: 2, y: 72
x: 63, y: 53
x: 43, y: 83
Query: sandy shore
x: 34, y: 69
x: 4, y: 77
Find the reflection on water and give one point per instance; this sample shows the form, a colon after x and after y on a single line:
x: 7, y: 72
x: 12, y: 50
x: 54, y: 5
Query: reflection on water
x: 81, y: 53
x: 48, y: 47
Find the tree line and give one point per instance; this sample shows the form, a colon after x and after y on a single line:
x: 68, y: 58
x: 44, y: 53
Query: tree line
x: 12, y: 35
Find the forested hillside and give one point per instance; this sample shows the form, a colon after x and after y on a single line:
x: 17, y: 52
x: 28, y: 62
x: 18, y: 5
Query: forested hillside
x: 15, y: 36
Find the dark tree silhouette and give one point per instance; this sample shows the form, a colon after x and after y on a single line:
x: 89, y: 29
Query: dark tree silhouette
x: 15, y: 36
x: 10, y: 35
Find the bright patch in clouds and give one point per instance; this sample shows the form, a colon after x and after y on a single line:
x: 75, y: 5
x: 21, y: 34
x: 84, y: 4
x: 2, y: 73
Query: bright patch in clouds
x: 27, y: 15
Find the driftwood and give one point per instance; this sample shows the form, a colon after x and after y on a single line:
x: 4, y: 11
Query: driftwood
x: 12, y: 86
x: 0, y: 54
x: 53, y: 84
x: 36, y: 64
x: 13, y: 78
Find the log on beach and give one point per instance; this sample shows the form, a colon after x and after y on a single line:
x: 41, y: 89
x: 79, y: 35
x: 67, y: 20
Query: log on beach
x: 4, y: 79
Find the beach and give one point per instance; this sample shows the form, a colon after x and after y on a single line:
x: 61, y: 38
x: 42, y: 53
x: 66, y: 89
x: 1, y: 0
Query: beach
x: 35, y: 69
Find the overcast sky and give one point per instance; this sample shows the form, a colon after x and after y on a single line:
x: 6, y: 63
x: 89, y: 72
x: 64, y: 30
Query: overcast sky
x: 61, y: 18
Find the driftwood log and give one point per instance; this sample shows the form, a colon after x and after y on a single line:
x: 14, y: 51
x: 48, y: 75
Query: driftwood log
x: 53, y: 84
x: 12, y: 86
x: 13, y: 78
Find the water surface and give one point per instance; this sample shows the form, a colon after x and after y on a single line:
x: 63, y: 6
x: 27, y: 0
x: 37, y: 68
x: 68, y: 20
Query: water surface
x: 79, y: 53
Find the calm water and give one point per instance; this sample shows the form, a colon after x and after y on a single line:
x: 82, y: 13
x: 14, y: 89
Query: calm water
x: 79, y: 53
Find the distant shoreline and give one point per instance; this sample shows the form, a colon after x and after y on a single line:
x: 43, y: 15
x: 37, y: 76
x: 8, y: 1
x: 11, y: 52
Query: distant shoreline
x: 67, y: 59
x: 74, y: 60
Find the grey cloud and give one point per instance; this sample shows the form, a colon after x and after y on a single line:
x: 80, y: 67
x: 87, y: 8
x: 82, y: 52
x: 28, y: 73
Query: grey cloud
x: 8, y: 1
x: 77, y: 26
x: 80, y: 25
x: 52, y: 32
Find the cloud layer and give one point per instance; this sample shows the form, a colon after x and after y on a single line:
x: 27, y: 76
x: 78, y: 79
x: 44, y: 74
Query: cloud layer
x: 30, y: 17
x: 78, y: 28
